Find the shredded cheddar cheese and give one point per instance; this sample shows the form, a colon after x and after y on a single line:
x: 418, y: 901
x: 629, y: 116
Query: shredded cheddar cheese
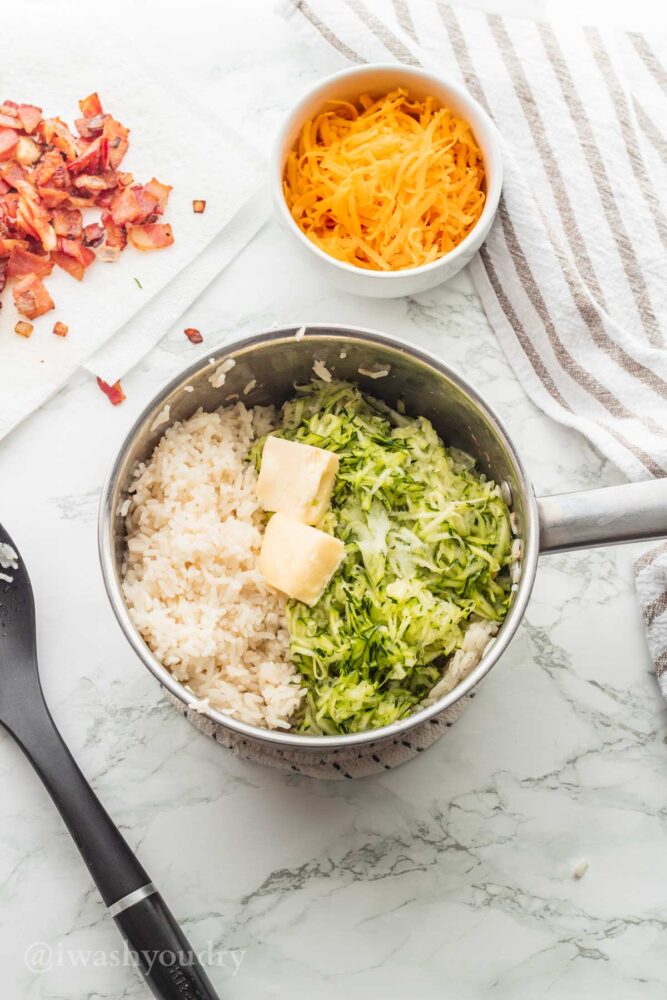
x: 385, y: 184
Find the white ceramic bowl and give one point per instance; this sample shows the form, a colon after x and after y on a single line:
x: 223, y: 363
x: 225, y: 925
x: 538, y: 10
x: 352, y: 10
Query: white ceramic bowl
x: 377, y: 79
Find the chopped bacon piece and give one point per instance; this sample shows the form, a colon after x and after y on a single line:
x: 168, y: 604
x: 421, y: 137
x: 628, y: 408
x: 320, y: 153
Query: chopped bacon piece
x: 6, y: 246
x: 53, y: 197
x: 198, y: 206
x: 193, y: 335
x: 9, y: 140
x: 91, y: 106
x: 31, y: 297
x: 90, y: 128
x: 6, y: 121
x: 13, y: 172
x: 56, y: 133
x: 52, y: 171
x: 33, y: 216
x: 29, y: 116
x: 68, y: 222
x: 69, y: 264
x: 73, y: 248
x: 60, y: 329
x: 124, y: 207
x: 23, y: 262
x: 94, y: 160
x: 9, y: 108
x: 27, y: 151
x: 114, y: 392
x: 148, y: 204
x: 118, y: 142
x: 93, y: 235
x: 91, y: 182
x: 160, y: 192
x: 152, y: 236
x: 23, y: 329
x: 116, y: 235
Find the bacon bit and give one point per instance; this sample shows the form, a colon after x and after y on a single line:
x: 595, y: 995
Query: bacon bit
x: 69, y: 264
x: 27, y: 152
x: 94, y: 160
x: 114, y: 392
x: 55, y: 133
x: 116, y: 235
x: 23, y: 262
x: 52, y: 171
x: 60, y: 329
x: 6, y: 121
x: 29, y: 116
x: 91, y: 106
x: 198, y: 206
x: 9, y: 108
x: 93, y: 235
x: 160, y: 192
x: 9, y: 140
x: 193, y: 335
x: 153, y: 236
x: 118, y: 144
x: 73, y: 248
x: 68, y: 222
x: 23, y: 329
x: 31, y: 297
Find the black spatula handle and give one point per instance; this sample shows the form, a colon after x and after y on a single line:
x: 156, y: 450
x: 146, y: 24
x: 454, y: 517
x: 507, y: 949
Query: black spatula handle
x: 160, y: 948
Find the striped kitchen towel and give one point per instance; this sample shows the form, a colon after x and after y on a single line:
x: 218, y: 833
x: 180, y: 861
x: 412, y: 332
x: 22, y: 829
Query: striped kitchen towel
x: 573, y: 276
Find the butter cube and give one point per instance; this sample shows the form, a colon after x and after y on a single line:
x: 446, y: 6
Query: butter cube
x: 296, y: 479
x: 298, y: 559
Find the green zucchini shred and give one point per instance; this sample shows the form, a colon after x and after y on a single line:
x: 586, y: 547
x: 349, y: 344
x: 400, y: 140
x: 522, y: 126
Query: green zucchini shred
x: 427, y: 547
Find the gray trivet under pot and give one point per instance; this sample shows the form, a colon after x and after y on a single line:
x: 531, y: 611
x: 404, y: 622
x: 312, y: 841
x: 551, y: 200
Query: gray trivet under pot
x: 337, y: 764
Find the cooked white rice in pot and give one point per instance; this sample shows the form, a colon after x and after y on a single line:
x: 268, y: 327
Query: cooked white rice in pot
x: 191, y: 580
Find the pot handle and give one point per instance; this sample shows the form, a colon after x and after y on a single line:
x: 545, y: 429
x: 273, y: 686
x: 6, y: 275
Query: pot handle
x: 628, y: 513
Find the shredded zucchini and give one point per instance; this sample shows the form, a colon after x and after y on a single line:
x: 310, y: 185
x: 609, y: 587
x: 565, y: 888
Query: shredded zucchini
x: 427, y: 549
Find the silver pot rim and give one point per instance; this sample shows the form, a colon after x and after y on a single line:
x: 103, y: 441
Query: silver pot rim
x: 278, y: 738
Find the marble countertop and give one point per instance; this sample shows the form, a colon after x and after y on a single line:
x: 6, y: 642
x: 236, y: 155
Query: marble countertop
x: 451, y: 877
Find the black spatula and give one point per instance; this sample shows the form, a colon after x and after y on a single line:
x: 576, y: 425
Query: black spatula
x: 162, y: 952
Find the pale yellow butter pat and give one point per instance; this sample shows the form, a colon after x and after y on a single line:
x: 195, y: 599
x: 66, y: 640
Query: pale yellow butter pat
x: 296, y: 479
x: 298, y: 559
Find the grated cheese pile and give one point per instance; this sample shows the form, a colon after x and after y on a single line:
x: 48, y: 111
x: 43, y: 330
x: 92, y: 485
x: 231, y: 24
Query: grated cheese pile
x: 385, y: 184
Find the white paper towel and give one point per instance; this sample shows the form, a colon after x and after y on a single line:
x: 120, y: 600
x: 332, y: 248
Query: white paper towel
x: 173, y: 138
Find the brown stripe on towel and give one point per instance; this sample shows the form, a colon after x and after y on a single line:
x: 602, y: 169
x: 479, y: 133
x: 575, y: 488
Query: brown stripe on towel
x: 325, y: 31
x: 622, y: 109
x: 651, y: 130
x: 656, y: 608
x: 649, y: 557
x: 404, y: 18
x: 382, y: 33
x: 598, y: 171
x: 661, y: 664
x: 649, y: 58
x: 458, y: 43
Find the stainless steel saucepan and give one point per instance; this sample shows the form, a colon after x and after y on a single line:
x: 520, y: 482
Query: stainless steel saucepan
x: 266, y: 369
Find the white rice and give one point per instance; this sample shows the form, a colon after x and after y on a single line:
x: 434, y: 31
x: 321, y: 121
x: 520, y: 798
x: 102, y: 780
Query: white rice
x: 191, y: 579
x: 9, y: 559
x: 322, y: 371
x: 375, y: 372
x: 476, y: 640
x: 217, y: 378
x: 162, y: 417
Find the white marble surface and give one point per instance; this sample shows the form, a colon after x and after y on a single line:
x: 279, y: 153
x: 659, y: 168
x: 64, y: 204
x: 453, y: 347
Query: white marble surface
x: 452, y: 877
